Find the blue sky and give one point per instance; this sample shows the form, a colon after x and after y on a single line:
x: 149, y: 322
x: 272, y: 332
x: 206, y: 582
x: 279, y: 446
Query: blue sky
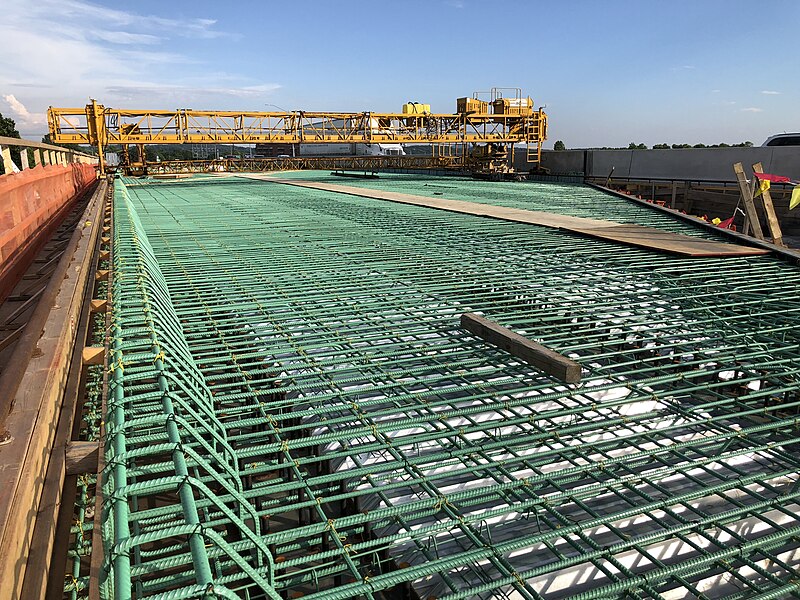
x: 609, y: 72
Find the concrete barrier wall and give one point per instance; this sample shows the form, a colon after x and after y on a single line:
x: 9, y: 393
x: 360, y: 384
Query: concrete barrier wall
x: 32, y: 202
x: 697, y: 164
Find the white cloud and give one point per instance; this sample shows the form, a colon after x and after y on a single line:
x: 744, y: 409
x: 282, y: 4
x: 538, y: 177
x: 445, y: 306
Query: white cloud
x: 753, y: 109
x: 22, y: 114
x: 455, y: 4
x: 16, y: 106
x: 88, y: 12
x: 62, y: 52
x: 770, y: 92
x: 125, y: 37
x: 180, y: 94
x: 715, y: 91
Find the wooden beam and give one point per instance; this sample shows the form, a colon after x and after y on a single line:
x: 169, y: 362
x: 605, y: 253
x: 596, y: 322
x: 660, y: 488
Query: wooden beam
x: 47, y: 555
x: 82, y: 457
x: 769, y: 209
x: 539, y: 356
x: 96, y: 561
x: 93, y: 355
x: 101, y: 275
x: 747, y: 200
x: 98, y: 305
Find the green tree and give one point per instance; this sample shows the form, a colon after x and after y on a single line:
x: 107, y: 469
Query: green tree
x: 661, y: 147
x: 635, y: 146
x: 8, y: 128
x: 559, y: 146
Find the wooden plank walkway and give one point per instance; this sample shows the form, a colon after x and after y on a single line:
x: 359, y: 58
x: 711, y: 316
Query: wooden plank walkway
x: 633, y: 235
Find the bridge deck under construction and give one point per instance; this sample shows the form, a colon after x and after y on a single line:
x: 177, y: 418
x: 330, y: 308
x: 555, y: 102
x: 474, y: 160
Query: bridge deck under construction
x: 293, y: 407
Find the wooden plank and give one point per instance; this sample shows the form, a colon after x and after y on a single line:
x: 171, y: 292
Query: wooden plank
x: 769, y: 209
x: 747, y: 200
x: 535, y: 354
x: 81, y: 457
x: 663, y: 240
x: 98, y: 305
x: 792, y: 255
x: 633, y: 235
x: 98, y: 552
x: 34, y: 419
x: 93, y: 355
x: 42, y: 555
x: 12, y: 337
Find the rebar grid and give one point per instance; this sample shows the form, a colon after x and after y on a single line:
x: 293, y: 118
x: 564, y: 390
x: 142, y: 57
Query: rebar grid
x: 295, y: 408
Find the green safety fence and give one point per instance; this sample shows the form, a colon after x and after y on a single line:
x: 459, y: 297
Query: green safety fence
x: 295, y: 409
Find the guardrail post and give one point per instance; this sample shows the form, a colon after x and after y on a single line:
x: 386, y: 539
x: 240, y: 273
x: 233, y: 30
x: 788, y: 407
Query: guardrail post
x: 5, y: 151
x: 43, y: 154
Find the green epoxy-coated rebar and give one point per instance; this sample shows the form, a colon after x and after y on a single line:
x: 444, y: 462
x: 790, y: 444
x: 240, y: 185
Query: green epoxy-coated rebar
x: 295, y: 408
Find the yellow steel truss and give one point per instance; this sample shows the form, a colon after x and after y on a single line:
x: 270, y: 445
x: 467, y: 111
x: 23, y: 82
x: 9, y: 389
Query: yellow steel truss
x: 101, y: 126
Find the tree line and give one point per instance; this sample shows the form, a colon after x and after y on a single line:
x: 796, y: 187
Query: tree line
x: 559, y: 146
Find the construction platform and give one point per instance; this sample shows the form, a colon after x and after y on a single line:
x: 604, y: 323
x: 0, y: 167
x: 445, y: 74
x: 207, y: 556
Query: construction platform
x: 289, y: 406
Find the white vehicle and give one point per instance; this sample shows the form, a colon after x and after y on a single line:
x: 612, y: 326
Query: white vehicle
x: 783, y: 139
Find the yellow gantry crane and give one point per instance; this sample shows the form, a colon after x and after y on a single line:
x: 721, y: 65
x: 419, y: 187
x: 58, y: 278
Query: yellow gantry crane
x: 484, y: 128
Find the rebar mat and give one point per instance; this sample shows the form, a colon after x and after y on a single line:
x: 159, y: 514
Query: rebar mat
x: 295, y: 410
